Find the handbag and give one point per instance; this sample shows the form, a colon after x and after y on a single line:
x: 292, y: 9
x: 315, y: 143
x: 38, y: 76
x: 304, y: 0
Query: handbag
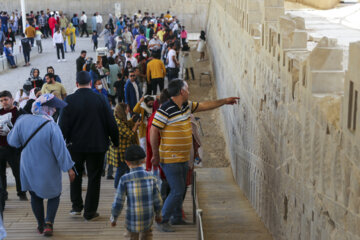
x: 34, y: 133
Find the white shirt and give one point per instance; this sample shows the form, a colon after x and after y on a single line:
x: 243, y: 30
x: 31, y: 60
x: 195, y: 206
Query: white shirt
x: 99, y: 19
x: 23, y: 102
x: 83, y: 18
x: 58, y: 38
x: 136, y: 91
x: 171, y: 63
x: 133, y: 61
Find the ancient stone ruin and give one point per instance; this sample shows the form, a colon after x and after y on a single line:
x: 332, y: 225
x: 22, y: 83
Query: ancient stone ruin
x: 294, y: 139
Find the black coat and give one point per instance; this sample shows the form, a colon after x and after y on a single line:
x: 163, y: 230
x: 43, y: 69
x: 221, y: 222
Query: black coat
x: 80, y: 62
x: 87, y: 122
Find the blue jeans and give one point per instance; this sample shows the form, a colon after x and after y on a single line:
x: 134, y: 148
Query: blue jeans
x: 176, y: 177
x: 37, y: 205
x: 11, y: 60
x: 120, y: 171
x: 65, y: 46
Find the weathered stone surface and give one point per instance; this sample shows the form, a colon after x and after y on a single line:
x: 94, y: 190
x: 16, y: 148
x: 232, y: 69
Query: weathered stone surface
x: 293, y: 137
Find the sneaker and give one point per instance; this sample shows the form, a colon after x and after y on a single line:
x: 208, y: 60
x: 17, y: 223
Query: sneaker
x: 179, y: 222
x: 48, y: 230
x: 110, y: 178
x: 64, y: 60
x: 164, y: 227
x: 23, y: 197
x: 92, y: 217
x: 40, y: 229
x: 75, y: 213
x: 59, y: 60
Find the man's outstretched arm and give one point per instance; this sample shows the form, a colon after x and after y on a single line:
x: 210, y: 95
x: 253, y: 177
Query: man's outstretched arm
x: 209, y: 105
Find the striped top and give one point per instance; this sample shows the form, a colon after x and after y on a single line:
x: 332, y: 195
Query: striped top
x: 175, y: 131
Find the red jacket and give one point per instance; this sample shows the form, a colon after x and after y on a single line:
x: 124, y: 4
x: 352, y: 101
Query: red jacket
x: 148, y: 144
x: 52, y: 22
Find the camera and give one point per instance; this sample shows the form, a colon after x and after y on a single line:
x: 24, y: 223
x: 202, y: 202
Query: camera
x: 136, y: 117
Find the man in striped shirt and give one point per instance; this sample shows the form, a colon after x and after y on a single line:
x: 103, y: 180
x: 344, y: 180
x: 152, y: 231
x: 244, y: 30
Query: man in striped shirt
x: 172, y: 123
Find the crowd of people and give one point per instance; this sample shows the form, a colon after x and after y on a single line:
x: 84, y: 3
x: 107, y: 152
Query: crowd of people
x: 116, y: 118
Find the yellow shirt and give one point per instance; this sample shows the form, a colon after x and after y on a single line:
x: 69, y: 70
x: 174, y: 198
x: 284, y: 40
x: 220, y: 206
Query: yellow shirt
x: 161, y: 34
x: 175, y: 131
x: 155, y: 69
x: 55, y: 88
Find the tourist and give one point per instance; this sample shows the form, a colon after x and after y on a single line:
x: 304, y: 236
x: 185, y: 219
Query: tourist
x: 38, y: 36
x: 71, y: 34
x: 130, y: 58
x: 172, y: 63
x: 187, y: 61
x: 30, y: 34
x: 132, y: 185
x: 34, y: 94
x: 87, y: 110
x: 41, y: 166
x: 2, y: 40
x: 52, y: 23
x: 10, y: 37
x: 80, y: 61
x: 26, y: 48
x: 94, y: 39
x: 35, y: 78
x: 168, y: 15
x: 50, y: 69
x: 127, y: 36
x: 99, y: 21
x: 156, y: 73
x: 58, y: 41
x: 119, y: 88
x: 140, y: 73
x: 183, y: 35
x: 99, y: 88
x: 127, y: 136
x: 22, y: 96
x: 9, y: 55
x: 139, y: 38
x: 53, y: 87
x: 42, y: 23
x: 83, y: 24
x: 63, y: 22
x: 114, y: 70
x: 201, y: 46
x: 144, y: 107
x: 106, y: 33
x: 75, y: 23
x: 9, y: 154
x: 155, y: 44
x: 133, y: 92
x: 63, y: 33
x: 174, y: 152
x: 93, y: 23
x: 161, y: 34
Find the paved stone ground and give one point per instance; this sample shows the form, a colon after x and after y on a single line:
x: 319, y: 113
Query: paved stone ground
x: 13, y: 79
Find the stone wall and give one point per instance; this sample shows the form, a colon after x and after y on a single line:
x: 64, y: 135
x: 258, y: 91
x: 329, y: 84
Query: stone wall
x: 293, y: 139
x: 192, y: 13
x: 321, y: 4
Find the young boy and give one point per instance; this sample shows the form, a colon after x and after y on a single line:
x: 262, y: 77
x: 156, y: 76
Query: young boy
x: 94, y: 39
x: 8, y: 54
x: 143, y: 197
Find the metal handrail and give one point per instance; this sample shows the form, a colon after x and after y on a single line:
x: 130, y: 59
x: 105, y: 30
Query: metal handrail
x: 197, y: 212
